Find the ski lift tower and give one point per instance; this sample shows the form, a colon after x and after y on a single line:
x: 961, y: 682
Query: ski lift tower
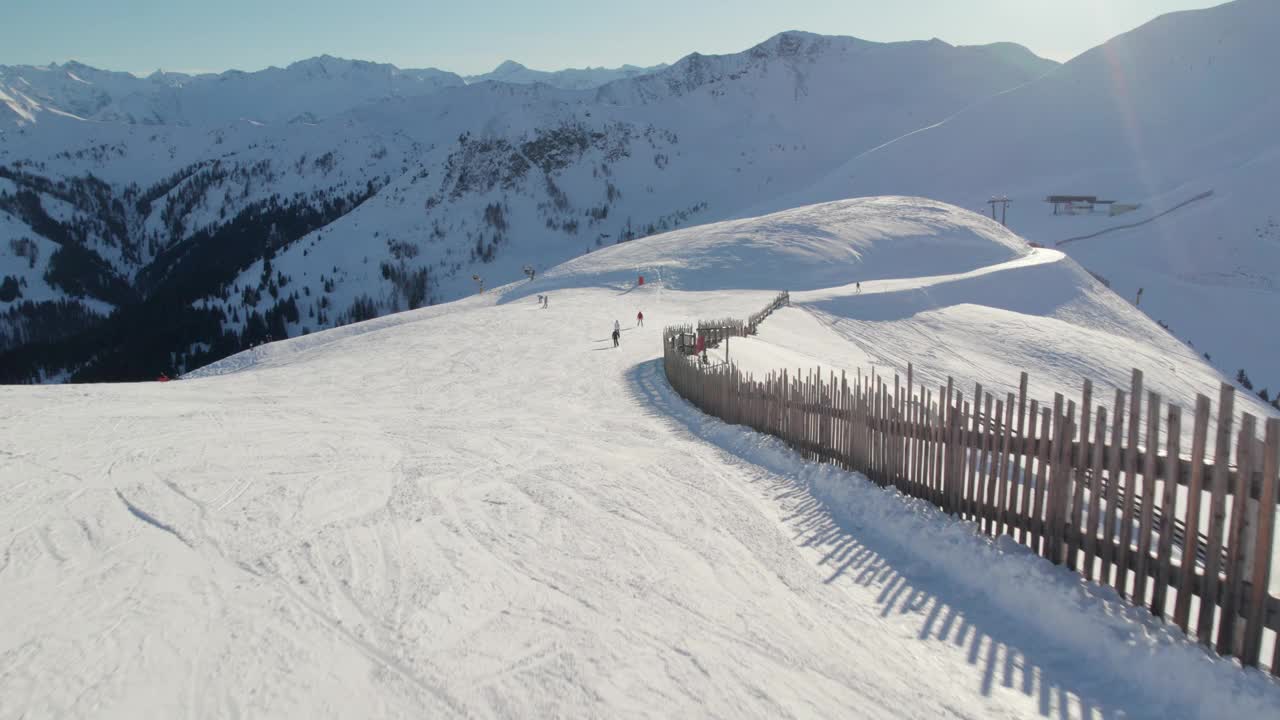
x: 1003, y: 201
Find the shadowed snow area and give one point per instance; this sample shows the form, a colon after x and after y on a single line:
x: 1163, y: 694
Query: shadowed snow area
x: 483, y: 509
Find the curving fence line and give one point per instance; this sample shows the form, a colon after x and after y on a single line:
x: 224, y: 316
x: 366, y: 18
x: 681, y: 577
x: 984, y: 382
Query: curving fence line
x: 1177, y: 530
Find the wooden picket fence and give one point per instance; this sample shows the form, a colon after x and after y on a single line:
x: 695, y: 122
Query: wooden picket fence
x: 1097, y: 496
x: 717, y: 330
x: 753, y: 323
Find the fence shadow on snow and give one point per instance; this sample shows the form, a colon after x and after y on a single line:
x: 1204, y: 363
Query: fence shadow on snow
x: 1011, y: 654
x: 1060, y: 480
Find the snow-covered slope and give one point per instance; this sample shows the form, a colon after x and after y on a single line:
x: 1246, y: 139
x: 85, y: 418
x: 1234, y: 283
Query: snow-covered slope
x: 820, y: 246
x: 1161, y: 115
x: 877, y: 283
x: 481, y: 509
x: 510, y: 71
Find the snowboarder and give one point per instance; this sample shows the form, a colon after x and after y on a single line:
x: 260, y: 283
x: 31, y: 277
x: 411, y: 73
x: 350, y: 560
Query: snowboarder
x: 617, y: 332
x: 640, y: 319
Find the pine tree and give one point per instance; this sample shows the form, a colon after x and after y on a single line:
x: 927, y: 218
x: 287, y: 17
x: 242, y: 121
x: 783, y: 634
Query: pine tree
x: 1243, y: 379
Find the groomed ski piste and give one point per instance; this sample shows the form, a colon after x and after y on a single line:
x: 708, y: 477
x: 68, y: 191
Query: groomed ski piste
x: 483, y: 509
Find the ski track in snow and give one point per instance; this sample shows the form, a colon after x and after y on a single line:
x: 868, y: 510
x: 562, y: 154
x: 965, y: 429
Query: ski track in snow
x: 540, y: 530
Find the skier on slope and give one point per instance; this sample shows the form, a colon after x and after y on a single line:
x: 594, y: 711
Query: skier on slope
x: 640, y: 319
x: 617, y: 332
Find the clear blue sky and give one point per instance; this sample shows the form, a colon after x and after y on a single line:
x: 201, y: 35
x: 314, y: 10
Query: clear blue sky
x: 472, y: 36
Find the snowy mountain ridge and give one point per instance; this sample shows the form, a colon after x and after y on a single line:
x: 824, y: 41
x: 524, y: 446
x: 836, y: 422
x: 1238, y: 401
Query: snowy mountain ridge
x: 254, y: 230
x: 307, y: 90
x: 510, y: 71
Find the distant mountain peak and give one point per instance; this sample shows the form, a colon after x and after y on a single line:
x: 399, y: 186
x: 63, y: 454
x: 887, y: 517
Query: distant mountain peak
x: 1017, y: 54
x: 326, y: 62
x: 512, y: 72
x: 318, y: 88
x: 789, y: 44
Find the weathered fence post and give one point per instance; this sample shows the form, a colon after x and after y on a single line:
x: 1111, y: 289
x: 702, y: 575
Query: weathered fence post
x: 1043, y: 451
x: 1130, y: 485
x: 1059, y: 480
x: 1243, y: 512
x: 1168, y: 510
x: 1191, y: 521
x: 1095, y: 498
x: 1217, y: 513
x: 1148, y: 498
x: 1111, y: 561
x: 1261, y: 574
x: 1028, y: 472
x: 1080, y: 470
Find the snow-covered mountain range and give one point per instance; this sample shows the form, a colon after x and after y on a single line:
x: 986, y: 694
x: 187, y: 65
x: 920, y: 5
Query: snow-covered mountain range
x: 229, y: 230
x: 510, y: 71
x: 306, y: 91
x: 225, y: 234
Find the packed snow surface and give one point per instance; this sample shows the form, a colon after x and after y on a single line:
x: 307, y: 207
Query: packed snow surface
x: 482, y: 509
